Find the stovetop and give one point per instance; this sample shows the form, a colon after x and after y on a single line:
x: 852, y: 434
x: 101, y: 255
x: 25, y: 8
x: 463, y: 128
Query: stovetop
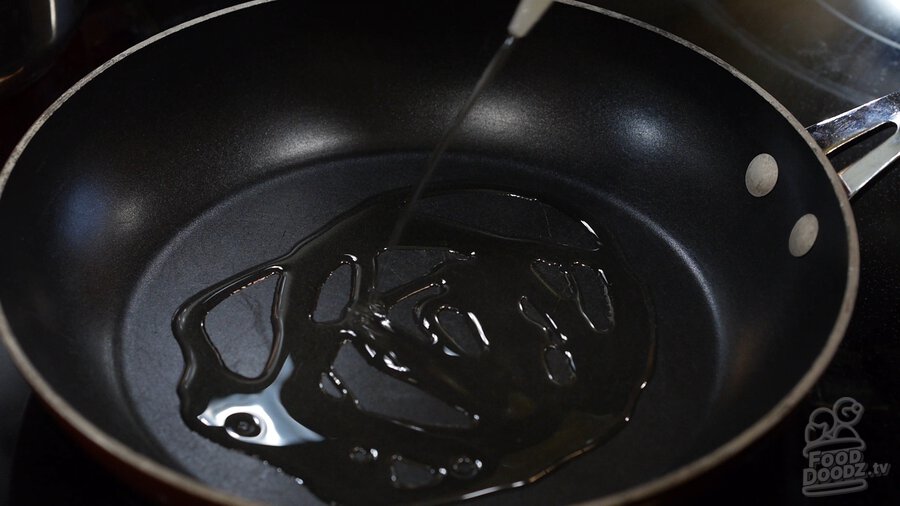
x: 818, y: 57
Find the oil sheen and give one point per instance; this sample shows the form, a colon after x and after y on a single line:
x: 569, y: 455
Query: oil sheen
x: 479, y: 352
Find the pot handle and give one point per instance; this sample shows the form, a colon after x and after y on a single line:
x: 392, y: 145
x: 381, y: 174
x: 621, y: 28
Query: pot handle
x: 843, y: 128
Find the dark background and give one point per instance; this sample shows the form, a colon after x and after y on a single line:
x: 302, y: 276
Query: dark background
x: 818, y: 57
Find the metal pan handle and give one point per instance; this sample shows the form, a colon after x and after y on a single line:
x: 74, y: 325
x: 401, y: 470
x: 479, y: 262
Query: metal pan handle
x: 843, y: 128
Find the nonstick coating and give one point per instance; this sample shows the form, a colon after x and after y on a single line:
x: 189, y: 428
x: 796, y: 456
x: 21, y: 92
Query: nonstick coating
x: 222, y: 145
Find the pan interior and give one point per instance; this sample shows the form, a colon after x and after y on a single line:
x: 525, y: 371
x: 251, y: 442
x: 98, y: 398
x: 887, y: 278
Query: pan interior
x: 159, y: 177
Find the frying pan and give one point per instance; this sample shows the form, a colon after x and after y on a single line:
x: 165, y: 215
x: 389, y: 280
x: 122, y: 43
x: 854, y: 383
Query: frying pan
x: 220, y: 144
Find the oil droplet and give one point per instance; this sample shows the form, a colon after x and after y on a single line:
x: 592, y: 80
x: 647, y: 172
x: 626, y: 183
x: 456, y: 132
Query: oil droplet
x: 329, y: 384
x: 361, y: 455
x: 465, y: 467
x: 559, y: 364
x: 243, y: 424
x: 409, y: 474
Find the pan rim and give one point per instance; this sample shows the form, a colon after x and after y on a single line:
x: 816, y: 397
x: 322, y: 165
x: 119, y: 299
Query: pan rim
x: 183, y: 483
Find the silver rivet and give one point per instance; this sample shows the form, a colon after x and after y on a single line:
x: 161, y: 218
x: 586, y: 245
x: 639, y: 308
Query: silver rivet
x: 762, y: 174
x: 803, y: 235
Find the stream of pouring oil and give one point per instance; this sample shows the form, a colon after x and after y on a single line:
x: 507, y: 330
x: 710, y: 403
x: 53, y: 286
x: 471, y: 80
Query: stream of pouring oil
x: 490, y: 72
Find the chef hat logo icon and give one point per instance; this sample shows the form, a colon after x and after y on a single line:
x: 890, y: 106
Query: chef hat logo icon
x: 834, y: 450
x: 832, y: 428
